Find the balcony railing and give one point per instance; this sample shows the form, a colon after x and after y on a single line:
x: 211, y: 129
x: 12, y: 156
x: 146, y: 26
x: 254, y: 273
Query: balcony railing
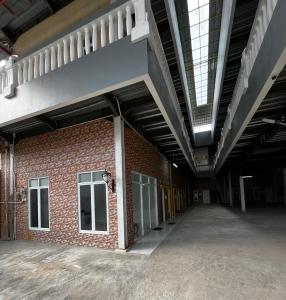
x: 100, y: 33
x: 261, y: 22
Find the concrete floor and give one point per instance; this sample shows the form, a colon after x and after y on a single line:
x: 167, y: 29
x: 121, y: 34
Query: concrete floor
x: 214, y: 253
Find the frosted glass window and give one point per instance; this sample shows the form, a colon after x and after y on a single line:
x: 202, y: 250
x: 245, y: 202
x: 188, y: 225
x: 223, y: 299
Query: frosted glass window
x: 34, y: 182
x: 44, y: 181
x: 85, y: 177
x: 97, y: 176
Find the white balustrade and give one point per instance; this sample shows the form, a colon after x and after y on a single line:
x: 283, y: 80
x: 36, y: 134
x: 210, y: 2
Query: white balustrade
x: 94, y: 37
x: 41, y: 64
x: 79, y: 45
x: 20, y: 74
x: 66, y: 51
x: 72, y: 47
x: 101, y: 32
x: 53, y: 58
x: 25, y: 71
x: 30, y: 69
x: 86, y: 40
x: 120, y: 24
x: 111, y: 29
x: 128, y: 20
x: 59, y: 55
x: 36, y: 66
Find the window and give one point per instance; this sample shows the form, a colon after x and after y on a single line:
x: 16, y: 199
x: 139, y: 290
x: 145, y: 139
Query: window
x: 93, y: 206
x: 39, y: 203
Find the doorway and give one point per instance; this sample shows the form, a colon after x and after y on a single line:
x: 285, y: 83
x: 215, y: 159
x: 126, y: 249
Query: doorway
x: 145, y: 205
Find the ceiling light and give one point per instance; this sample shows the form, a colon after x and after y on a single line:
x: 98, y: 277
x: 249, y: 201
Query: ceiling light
x: 199, y: 31
x: 176, y: 166
x: 202, y: 128
x: 270, y: 121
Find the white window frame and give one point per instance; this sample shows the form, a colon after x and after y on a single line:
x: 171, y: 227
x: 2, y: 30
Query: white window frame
x: 91, y: 183
x: 38, y: 188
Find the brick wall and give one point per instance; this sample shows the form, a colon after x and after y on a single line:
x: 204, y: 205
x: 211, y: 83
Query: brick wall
x: 142, y: 157
x: 61, y: 155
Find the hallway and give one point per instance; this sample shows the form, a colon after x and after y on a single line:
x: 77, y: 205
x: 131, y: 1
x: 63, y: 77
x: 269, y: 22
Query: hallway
x: 214, y: 253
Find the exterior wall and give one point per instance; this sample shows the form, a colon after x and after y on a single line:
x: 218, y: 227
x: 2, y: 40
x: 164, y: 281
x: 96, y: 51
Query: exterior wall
x: 142, y: 157
x: 61, y: 155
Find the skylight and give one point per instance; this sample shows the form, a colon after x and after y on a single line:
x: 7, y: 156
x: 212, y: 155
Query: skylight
x: 199, y: 30
x: 202, y: 128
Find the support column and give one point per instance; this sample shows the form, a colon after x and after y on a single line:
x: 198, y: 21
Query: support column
x: 242, y: 194
x: 230, y: 189
x: 120, y: 182
x: 284, y: 180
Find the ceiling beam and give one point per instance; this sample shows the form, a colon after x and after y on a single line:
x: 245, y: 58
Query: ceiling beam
x: 47, y: 121
x: 224, y: 39
x: 112, y: 103
x: 270, y: 60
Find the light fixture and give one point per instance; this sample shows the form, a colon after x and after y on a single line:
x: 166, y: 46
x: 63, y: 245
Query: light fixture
x: 271, y: 121
x: 106, y: 176
x: 247, y: 176
x: 202, y: 128
x: 175, y: 165
x: 199, y: 32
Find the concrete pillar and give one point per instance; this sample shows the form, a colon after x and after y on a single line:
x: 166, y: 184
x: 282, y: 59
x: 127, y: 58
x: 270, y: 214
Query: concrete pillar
x: 120, y: 182
x: 242, y: 194
x: 284, y: 180
x: 230, y: 189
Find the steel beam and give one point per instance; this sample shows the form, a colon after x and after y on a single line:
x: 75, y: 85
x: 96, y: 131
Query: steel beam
x: 270, y: 61
x: 224, y: 38
x: 173, y: 22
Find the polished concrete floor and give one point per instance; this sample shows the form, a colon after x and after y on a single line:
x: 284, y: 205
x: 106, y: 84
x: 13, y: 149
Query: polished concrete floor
x: 213, y: 253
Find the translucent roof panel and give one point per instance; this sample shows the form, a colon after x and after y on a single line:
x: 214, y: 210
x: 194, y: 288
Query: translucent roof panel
x: 199, y: 31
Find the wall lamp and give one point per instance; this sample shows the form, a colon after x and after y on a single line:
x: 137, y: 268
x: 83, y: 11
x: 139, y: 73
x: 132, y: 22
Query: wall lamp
x: 106, y: 176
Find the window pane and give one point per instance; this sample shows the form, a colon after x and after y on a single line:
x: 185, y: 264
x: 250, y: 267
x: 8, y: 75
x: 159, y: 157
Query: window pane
x: 204, y: 13
x: 193, y: 4
x: 85, y: 207
x: 100, y: 207
x: 135, y: 177
x: 194, y: 17
x: 33, y: 183
x: 85, y: 177
x: 204, y: 28
x: 144, y: 179
x: 44, y: 181
x: 195, y: 31
x: 44, y: 208
x: 97, y: 176
x: 34, y: 208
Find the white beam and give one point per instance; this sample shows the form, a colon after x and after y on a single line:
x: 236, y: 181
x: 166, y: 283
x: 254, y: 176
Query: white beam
x: 224, y: 38
x: 120, y: 182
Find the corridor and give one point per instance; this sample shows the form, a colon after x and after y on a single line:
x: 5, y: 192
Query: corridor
x: 213, y: 253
